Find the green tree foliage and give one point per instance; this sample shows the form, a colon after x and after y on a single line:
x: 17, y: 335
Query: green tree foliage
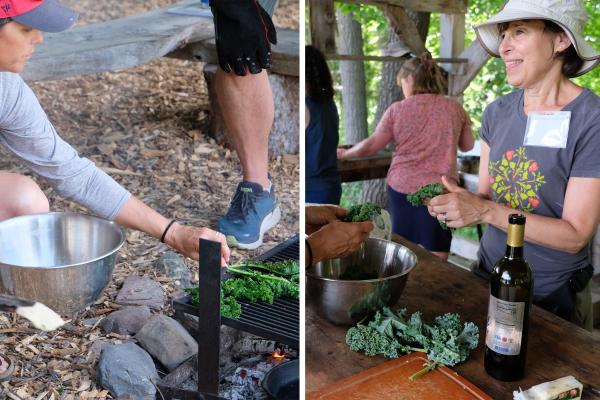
x: 489, y: 84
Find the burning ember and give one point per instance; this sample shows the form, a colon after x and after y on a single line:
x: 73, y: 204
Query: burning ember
x: 277, y: 357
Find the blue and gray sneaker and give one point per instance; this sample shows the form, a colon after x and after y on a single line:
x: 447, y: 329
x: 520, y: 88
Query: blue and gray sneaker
x: 252, y: 212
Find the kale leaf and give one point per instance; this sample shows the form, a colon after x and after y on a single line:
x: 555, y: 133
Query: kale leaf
x: 391, y: 333
x: 426, y: 192
x: 252, y: 282
x: 362, y: 212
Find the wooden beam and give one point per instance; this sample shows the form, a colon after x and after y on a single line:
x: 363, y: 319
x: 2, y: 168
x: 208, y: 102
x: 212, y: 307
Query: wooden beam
x: 478, y: 57
x: 459, y: 63
x: 404, y: 27
x: 440, y: 6
x: 116, y: 44
x: 452, y: 41
x: 322, y: 25
x: 286, y: 54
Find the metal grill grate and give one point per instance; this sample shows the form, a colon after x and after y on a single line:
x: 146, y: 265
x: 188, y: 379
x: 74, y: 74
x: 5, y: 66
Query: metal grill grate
x: 288, y: 250
x: 279, y: 321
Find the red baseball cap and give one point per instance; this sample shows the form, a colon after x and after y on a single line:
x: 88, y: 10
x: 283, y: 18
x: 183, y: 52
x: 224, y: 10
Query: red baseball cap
x: 44, y: 15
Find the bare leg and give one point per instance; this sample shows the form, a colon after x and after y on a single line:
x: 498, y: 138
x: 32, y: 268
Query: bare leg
x: 20, y: 196
x: 247, y: 106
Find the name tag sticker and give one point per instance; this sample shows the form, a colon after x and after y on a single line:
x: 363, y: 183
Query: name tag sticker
x: 548, y: 129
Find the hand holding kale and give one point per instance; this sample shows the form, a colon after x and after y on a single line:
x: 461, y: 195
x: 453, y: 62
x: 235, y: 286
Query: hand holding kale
x: 363, y: 212
x: 426, y: 192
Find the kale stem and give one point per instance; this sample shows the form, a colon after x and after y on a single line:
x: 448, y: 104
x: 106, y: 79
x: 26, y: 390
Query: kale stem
x: 429, y: 366
x: 237, y: 270
x: 417, y: 349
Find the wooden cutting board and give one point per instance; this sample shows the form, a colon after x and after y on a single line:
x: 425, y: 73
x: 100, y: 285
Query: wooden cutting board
x: 389, y: 380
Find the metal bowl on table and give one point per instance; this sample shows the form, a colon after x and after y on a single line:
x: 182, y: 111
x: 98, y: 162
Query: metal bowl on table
x: 346, y: 290
x: 63, y: 260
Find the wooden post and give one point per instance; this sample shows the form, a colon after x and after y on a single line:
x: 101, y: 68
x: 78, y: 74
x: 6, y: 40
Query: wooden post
x: 477, y: 57
x: 452, y: 41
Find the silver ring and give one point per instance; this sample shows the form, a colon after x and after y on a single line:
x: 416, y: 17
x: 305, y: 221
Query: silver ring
x: 445, y: 220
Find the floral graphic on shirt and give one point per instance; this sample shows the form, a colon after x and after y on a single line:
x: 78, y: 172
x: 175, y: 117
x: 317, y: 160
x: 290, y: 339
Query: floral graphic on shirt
x: 516, y: 180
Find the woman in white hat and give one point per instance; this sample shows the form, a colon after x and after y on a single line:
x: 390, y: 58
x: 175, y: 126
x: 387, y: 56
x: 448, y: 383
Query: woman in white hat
x: 26, y: 131
x: 540, y: 152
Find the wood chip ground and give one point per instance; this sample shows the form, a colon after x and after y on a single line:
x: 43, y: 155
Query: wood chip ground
x: 146, y: 127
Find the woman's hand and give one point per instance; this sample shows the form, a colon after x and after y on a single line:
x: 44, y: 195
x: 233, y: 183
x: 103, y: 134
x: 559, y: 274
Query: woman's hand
x: 317, y: 216
x: 458, y: 207
x: 341, y: 152
x: 186, y: 240
x: 338, y: 239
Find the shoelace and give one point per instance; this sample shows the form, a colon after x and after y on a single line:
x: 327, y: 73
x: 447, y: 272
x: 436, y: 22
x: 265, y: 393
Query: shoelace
x: 242, y: 204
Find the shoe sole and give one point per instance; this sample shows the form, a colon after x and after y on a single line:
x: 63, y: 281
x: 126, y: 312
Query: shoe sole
x: 268, y: 222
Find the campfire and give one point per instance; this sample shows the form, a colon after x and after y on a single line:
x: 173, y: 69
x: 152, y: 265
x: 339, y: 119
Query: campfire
x: 234, y: 359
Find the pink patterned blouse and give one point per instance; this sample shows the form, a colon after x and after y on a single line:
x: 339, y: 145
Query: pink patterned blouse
x: 425, y: 129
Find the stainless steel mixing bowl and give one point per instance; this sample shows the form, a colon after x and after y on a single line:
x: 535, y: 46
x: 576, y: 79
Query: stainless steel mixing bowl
x: 63, y: 260
x: 346, y: 302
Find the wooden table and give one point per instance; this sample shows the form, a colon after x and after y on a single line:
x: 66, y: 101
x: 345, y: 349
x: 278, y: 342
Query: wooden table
x: 360, y: 169
x: 556, y: 348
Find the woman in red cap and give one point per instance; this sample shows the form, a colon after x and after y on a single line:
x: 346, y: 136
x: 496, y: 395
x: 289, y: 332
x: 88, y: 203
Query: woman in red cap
x: 539, y: 153
x: 26, y: 131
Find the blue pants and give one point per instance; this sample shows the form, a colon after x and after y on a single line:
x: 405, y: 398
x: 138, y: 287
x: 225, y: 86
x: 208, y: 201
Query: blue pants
x: 415, y: 223
x: 328, y: 196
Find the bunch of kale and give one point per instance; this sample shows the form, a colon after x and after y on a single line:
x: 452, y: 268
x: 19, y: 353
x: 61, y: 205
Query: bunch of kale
x: 256, y: 281
x: 428, y: 191
x: 392, y: 334
x: 363, y: 212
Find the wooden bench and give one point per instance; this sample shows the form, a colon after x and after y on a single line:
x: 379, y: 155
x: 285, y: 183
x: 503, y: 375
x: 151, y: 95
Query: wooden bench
x: 127, y: 42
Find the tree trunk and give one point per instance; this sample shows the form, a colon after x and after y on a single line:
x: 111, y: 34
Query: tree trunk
x: 374, y: 191
x: 353, y: 79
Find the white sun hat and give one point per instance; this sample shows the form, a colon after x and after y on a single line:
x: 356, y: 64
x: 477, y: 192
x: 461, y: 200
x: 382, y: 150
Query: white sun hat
x: 570, y: 15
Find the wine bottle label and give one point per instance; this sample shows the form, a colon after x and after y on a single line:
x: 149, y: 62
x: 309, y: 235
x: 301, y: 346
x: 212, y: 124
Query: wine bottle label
x: 505, y: 326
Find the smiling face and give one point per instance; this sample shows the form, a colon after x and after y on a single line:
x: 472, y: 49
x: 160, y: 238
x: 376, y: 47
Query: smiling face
x: 528, y: 52
x: 17, y: 43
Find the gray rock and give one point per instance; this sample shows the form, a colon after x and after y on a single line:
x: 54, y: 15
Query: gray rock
x: 126, y: 370
x: 96, y: 349
x: 172, y: 265
x: 141, y: 291
x: 167, y: 341
x: 126, y: 321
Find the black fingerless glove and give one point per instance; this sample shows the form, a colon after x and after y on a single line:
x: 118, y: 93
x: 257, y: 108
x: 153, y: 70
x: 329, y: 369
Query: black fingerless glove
x: 243, y: 31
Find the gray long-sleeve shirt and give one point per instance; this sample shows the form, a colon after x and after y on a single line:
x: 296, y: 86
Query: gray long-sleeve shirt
x: 26, y: 131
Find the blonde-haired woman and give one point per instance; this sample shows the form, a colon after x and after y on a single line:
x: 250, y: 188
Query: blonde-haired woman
x: 426, y: 128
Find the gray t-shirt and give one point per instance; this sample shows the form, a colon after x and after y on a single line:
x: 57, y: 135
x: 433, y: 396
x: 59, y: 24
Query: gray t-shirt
x: 534, y: 179
x: 26, y: 131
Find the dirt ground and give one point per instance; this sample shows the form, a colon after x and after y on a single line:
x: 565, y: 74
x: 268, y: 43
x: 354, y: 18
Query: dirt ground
x: 146, y: 127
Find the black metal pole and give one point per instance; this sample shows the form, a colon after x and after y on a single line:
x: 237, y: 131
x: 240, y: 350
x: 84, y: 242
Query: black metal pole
x: 209, y: 316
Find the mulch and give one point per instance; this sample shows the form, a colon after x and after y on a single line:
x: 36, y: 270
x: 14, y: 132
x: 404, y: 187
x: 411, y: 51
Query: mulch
x: 147, y: 127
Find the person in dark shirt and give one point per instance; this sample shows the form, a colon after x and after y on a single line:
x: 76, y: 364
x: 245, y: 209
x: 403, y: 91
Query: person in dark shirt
x: 322, y: 179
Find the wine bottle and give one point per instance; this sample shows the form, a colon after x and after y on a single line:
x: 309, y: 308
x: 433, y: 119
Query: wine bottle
x: 511, y: 290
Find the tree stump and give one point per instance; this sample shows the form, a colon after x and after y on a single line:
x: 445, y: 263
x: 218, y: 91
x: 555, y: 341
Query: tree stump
x: 285, y: 136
